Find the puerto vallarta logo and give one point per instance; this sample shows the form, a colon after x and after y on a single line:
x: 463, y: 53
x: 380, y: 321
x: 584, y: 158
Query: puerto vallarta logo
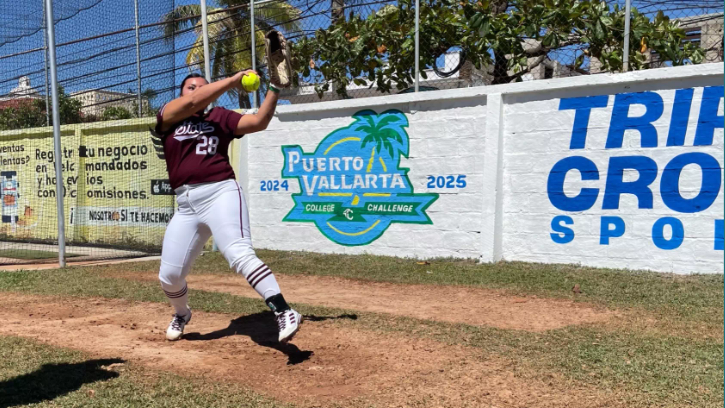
x: 352, y: 186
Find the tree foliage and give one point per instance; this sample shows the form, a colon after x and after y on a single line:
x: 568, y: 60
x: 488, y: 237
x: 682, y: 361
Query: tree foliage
x: 31, y: 112
x: 116, y: 113
x: 505, y: 38
x: 230, y: 41
x: 26, y: 114
x: 69, y: 108
x: 149, y: 94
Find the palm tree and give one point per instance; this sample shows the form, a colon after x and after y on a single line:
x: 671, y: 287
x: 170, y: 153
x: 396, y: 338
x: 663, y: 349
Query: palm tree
x: 337, y: 10
x: 149, y: 94
x: 230, y: 41
x: 384, y: 132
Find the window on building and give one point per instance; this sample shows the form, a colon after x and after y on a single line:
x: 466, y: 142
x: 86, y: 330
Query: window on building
x: 548, y: 72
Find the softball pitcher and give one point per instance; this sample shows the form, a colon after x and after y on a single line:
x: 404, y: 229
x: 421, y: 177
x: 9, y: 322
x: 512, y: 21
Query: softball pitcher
x: 210, y: 201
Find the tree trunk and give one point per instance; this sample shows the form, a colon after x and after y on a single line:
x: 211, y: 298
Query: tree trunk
x: 338, y: 10
x: 336, y: 13
x: 500, y: 67
x: 499, y: 6
x: 244, y: 102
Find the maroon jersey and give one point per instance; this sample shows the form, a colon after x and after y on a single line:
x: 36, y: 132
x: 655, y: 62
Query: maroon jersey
x: 197, y: 149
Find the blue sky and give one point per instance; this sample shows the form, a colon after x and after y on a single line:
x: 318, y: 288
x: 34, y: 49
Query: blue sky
x: 110, y: 62
x: 94, y: 56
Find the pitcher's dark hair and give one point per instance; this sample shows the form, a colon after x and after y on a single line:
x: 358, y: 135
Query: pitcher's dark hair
x: 194, y: 75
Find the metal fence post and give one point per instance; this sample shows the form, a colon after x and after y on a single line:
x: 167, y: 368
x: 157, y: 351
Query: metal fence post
x: 625, y: 57
x: 45, y: 65
x: 254, y: 47
x: 56, y: 133
x: 417, y: 44
x: 205, y: 37
x: 207, y: 66
x: 138, y: 59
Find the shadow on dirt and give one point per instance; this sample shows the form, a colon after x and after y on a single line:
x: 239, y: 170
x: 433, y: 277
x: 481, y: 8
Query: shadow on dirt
x: 262, y: 329
x: 52, y: 381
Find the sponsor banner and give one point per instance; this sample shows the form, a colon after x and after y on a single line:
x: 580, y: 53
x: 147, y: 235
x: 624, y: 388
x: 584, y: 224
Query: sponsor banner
x: 121, y: 216
x: 115, y: 170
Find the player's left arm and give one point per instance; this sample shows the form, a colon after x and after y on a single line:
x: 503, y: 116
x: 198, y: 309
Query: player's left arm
x: 260, y: 120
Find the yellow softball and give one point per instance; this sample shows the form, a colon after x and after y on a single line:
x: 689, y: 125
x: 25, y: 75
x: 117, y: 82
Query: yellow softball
x: 250, y: 82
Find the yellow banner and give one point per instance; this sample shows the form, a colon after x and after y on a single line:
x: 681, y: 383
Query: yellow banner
x: 116, y: 186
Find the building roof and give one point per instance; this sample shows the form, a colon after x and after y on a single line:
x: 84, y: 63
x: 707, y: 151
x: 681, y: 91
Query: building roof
x: 16, y: 102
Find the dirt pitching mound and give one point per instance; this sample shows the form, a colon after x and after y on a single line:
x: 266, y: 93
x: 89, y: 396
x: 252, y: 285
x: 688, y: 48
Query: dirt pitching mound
x: 325, y: 364
x: 454, y: 304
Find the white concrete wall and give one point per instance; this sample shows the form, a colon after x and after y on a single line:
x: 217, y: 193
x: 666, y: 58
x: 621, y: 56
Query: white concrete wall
x: 506, y: 140
x: 444, y: 140
x: 534, y: 146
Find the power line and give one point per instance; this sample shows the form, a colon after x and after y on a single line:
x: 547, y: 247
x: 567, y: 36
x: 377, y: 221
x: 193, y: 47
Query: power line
x: 55, y: 21
x: 85, y: 59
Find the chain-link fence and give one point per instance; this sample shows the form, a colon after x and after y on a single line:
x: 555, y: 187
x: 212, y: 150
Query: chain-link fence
x: 701, y: 21
x: 112, y: 64
x: 121, y: 60
x: 370, y: 49
x: 344, y: 48
x: 534, y: 40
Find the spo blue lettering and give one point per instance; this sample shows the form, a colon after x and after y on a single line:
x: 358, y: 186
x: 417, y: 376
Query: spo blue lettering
x: 719, y: 235
x: 605, y: 232
x: 562, y: 234
x: 658, y: 236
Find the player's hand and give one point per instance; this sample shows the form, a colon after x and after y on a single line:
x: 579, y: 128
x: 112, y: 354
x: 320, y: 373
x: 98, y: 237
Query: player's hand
x: 237, y: 78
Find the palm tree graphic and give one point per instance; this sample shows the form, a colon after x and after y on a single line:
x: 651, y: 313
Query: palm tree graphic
x: 230, y: 42
x: 384, y: 133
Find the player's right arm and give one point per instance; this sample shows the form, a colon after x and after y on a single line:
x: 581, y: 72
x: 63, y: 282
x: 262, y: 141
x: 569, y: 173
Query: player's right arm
x: 185, y: 106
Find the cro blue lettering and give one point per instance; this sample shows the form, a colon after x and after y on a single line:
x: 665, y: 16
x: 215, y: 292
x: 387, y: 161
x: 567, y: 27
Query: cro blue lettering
x: 616, y: 186
x: 670, y: 184
x: 555, y: 185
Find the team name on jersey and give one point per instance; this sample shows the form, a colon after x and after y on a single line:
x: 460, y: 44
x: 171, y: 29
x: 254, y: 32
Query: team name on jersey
x: 189, y: 130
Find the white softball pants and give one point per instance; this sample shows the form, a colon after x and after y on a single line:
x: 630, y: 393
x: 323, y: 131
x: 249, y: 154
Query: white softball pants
x: 210, y: 209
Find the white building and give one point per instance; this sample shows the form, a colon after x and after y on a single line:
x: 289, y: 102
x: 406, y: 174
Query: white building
x: 96, y: 101
x: 22, y: 91
x: 704, y: 30
x: 23, y: 94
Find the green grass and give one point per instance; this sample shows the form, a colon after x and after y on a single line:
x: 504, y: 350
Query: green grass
x: 678, y: 364
x: 33, y: 373
x: 610, y: 286
x: 31, y: 254
x: 690, y: 301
